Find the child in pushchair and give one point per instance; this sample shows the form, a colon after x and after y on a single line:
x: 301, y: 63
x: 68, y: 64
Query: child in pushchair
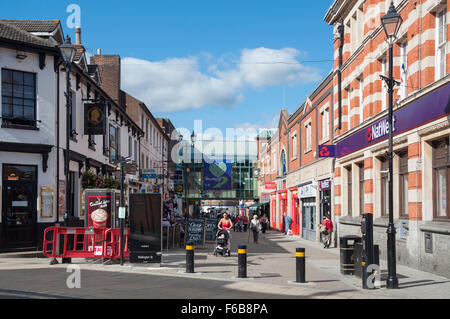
x: 222, y: 243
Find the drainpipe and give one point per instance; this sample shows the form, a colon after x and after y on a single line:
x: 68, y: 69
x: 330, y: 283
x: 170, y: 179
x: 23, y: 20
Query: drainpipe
x: 341, y: 46
x: 420, y: 44
x: 57, y: 143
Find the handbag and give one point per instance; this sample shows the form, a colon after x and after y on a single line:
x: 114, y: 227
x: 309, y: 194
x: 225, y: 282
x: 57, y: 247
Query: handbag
x: 322, y: 228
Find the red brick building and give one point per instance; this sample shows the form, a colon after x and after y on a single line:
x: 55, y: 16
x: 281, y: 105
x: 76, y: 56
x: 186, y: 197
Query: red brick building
x: 350, y: 111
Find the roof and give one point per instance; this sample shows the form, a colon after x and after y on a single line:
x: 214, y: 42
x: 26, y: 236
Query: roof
x: 79, y: 51
x: 11, y: 32
x: 34, y: 25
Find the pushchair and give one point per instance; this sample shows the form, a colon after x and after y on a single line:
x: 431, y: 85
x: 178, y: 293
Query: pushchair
x: 222, y: 243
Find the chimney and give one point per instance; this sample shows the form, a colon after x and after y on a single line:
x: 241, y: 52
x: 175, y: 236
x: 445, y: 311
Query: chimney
x: 77, y: 35
x: 109, y: 69
x: 99, y: 51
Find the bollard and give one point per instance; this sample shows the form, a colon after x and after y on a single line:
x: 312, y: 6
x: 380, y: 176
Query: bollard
x: 190, y: 258
x: 300, y: 265
x: 242, y: 261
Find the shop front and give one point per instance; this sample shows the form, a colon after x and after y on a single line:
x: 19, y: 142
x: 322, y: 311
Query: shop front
x: 283, y: 210
x: 307, y: 194
x: 295, y: 202
x: 273, y: 210
x: 19, y: 207
x: 325, y: 197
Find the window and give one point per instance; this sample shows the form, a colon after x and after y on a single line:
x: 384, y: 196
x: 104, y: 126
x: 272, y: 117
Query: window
x: 404, y: 184
x: 294, y: 146
x: 403, y: 68
x: 349, y: 98
x: 135, y: 151
x: 113, y: 144
x: 441, y: 43
x: 441, y: 171
x: 308, y: 137
x: 383, y: 85
x: 384, y: 187
x: 325, y: 124
x: 283, y: 164
x: 349, y: 190
x: 130, y: 146
x: 146, y: 130
x: 18, y: 98
x: 361, y: 100
x: 73, y: 115
x: 361, y: 188
x: 91, y: 142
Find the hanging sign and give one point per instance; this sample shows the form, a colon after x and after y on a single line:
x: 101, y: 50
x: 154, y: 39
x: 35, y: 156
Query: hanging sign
x: 94, y: 119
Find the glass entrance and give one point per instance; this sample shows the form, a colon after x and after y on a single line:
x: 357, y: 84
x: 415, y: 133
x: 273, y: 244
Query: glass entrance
x: 309, y: 218
x: 19, y: 207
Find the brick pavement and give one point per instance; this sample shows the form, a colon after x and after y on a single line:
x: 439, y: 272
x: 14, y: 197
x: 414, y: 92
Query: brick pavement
x: 271, y: 272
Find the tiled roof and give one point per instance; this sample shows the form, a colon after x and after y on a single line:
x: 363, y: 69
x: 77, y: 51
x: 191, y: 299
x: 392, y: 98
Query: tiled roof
x: 13, y: 33
x: 34, y: 25
x: 80, y: 50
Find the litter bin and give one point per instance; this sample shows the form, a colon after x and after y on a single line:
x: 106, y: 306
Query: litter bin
x: 347, y: 244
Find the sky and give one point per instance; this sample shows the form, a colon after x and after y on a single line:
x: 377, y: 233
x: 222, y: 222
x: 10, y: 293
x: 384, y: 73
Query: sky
x: 228, y: 64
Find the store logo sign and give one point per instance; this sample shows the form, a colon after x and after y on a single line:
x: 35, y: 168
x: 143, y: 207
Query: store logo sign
x: 326, y: 151
x: 379, y: 130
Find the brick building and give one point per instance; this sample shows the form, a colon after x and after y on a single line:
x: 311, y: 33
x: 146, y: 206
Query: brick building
x: 421, y: 127
x: 352, y: 103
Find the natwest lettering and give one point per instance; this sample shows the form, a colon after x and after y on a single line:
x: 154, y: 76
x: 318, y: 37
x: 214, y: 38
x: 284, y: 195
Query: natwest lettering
x: 379, y: 130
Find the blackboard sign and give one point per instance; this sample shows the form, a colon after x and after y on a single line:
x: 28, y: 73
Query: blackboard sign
x: 195, y: 231
x: 211, y: 229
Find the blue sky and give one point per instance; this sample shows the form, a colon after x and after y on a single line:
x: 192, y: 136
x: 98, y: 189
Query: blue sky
x: 223, y: 62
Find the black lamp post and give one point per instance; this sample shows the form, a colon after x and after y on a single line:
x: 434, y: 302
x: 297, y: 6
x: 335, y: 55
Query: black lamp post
x: 193, y: 139
x: 68, y: 53
x: 391, y: 24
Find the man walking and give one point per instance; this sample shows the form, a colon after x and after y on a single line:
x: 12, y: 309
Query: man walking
x: 327, y: 230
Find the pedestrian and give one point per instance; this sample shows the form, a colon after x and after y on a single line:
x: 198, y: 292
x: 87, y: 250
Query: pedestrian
x: 255, y: 228
x: 287, y: 224
x: 237, y: 223
x: 326, y: 229
x: 245, y: 223
x: 263, y: 222
x: 225, y: 223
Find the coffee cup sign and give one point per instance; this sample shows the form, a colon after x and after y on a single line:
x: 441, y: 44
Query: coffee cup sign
x: 99, y: 209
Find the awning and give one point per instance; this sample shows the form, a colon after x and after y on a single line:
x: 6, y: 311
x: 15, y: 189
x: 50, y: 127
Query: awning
x: 254, y: 207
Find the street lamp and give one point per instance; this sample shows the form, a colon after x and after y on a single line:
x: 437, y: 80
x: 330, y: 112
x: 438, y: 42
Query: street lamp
x: 391, y: 24
x: 68, y: 53
x: 193, y: 139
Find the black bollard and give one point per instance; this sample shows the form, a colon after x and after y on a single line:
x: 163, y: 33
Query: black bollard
x: 189, y: 258
x: 242, y: 261
x: 300, y: 265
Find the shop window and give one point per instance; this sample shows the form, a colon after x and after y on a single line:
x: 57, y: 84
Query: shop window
x: 441, y: 171
x: 18, y: 98
x: 349, y: 190
x: 403, y: 185
x: 361, y: 188
x: 384, y: 177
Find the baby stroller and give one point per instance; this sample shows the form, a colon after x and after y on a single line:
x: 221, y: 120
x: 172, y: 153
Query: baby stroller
x: 222, y: 243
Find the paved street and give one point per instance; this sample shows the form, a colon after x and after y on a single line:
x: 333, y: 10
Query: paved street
x: 271, y: 270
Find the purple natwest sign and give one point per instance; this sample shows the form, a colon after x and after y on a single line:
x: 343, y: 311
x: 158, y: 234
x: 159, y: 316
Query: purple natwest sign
x: 426, y: 109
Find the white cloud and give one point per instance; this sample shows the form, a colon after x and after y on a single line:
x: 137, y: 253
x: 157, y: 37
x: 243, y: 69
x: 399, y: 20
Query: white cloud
x: 177, y: 84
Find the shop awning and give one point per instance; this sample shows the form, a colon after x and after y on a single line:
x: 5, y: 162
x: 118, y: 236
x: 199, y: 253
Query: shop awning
x: 254, y: 207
